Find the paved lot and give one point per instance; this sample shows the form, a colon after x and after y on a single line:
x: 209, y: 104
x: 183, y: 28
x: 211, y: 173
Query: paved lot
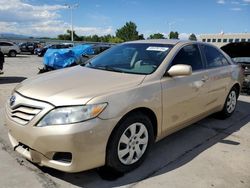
x: 210, y: 153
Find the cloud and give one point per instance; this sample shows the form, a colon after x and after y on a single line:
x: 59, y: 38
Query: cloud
x: 184, y: 36
x: 130, y: 2
x: 93, y: 30
x: 246, y: 1
x: 99, y: 18
x: 21, y: 11
x: 21, y: 17
x: 236, y: 9
x: 235, y: 2
x: 221, y: 2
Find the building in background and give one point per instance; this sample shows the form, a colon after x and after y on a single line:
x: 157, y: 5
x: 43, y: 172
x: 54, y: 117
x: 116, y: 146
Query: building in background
x: 222, y: 39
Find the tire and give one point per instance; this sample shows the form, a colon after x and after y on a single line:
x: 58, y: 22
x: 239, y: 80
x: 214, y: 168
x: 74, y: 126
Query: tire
x: 73, y: 64
x: 230, y: 104
x: 44, y: 69
x: 12, y: 53
x: 129, y: 143
x: 41, y: 54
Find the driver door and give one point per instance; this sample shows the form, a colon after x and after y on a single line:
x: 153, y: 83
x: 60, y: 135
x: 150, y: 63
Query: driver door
x: 183, y: 96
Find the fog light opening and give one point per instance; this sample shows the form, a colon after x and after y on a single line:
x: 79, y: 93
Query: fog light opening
x: 64, y: 157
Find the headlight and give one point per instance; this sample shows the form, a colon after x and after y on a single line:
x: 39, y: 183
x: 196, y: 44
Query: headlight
x: 72, y: 114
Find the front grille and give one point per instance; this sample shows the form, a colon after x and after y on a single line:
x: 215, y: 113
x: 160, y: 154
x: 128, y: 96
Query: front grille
x: 23, y: 114
x: 23, y: 110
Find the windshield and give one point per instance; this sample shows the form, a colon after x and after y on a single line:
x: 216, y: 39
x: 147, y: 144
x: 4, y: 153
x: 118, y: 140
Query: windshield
x: 134, y: 58
x: 242, y: 59
x: 47, y: 46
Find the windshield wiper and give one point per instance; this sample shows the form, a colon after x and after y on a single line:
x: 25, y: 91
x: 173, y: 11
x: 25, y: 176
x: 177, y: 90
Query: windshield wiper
x: 108, y: 68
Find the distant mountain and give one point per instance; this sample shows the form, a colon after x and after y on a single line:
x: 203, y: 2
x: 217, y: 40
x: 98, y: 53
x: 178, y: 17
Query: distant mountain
x: 13, y: 35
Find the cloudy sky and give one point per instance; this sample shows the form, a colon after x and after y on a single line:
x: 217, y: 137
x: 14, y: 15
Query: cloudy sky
x: 52, y: 17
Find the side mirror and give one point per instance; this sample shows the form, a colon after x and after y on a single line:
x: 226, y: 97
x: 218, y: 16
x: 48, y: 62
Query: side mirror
x: 180, y: 70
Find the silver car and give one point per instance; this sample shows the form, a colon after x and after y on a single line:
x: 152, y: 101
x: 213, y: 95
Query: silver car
x: 9, y: 48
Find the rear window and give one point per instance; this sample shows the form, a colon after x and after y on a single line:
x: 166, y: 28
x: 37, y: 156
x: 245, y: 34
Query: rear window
x: 214, y: 57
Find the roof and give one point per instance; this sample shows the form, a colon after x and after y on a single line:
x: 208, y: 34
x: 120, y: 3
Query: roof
x: 163, y: 41
x: 158, y: 41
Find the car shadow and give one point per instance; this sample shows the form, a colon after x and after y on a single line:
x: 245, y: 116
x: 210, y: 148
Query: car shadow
x: 18, y: 56
x: 169, y: 154
x: 11, y: 79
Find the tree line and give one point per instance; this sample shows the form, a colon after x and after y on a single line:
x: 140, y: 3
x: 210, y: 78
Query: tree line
x: 128, y: 32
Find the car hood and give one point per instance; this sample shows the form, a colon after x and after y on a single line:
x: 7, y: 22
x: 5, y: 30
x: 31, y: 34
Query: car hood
x: 238, y: 49
x: 76, y: 85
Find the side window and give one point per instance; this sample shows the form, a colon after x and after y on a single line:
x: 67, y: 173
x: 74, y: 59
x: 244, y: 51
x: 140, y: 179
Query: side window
x: 96, y: 50
x: 5, y: 44
x: 189, y: 55
x: 102, y: 49
x: 214, y: 57
x: 54, y: 46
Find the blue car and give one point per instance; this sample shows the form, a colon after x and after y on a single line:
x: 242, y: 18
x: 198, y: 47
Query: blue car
x: 61, y: 58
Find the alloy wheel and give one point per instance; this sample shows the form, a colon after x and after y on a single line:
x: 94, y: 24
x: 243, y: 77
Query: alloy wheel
x: 231, y: 101
x: 133, y: 143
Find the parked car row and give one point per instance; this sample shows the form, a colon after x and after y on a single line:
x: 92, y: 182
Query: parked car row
x: 11, y: 49
x: 29, y: 46
x: 42, y: 50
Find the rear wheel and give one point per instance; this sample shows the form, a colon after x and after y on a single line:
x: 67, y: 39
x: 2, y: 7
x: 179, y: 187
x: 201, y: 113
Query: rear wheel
x: 12, y: 53
x: 129, y: 143
x: 230, y: 104
x: 248, y: 91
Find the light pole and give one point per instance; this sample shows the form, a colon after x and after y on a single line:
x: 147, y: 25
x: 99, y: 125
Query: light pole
x: 71, y: 7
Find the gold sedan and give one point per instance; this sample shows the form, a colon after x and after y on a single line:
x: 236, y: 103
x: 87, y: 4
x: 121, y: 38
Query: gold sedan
x: 111, y: 111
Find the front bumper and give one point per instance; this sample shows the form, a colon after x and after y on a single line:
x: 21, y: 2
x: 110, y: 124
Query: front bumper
x: 85, y: 141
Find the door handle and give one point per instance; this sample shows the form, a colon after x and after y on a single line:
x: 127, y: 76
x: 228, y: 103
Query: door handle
x: 204, y: 78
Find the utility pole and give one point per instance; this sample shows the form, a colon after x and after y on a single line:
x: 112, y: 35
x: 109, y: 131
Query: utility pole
x: 71, y: 7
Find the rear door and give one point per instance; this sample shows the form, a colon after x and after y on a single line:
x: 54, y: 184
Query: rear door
x: 219, y: 72
x: 184, y: 96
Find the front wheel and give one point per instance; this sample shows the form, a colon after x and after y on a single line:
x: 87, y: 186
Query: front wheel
x: 129, y: 143
x: 230, y: 104
x: 45, y: 69
x: 12, y: 53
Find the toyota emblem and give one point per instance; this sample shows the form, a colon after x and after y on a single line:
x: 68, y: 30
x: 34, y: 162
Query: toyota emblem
x: 12, y: 100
